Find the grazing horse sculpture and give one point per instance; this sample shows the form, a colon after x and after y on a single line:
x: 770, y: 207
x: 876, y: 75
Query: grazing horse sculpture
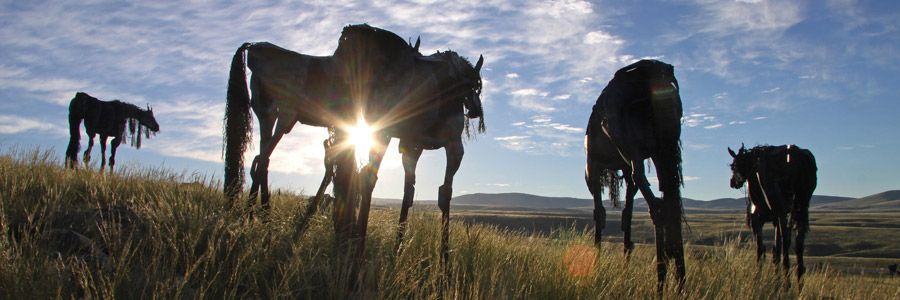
x: 287, y: 87
x: 780, y: 181
x: 636, y: 117
x: 106, y: 118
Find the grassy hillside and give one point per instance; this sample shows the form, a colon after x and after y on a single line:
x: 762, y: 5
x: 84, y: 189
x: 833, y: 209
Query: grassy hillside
x: 881, y: 202
x: 149, y: 233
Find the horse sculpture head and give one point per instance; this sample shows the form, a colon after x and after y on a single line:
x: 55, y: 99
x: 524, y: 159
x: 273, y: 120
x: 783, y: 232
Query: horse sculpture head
x: 147, y: 119
x: 470, y: 86
x: 741, y: 167
x: 467, y: 84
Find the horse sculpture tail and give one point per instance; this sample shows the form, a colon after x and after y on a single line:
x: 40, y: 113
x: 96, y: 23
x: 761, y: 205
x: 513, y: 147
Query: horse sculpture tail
x: 613, y: 182
x: 237, y: 124
x: 806, y: 170
x: 76, y: 113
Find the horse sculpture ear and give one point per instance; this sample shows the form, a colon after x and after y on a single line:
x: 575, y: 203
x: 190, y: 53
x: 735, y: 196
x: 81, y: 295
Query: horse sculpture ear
x: 418, y: 41
x: 479, y: 63
x: 732, y: 152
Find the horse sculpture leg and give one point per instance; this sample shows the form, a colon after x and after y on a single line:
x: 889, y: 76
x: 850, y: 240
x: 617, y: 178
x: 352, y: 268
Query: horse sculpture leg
x: 754, y: 213
x: 103, y: 152
x: 659, y: 221
x: 757, y: 226
x: 410, y: 160
x: 669, y: 183
x: 345, y: 192
x: 674, y: 238
x: 369, y: 176
x: 785, y: 236
x: 259, y: 169
x: 801, y: 213
x: 320, y: 193
x: 112, y: 153
x: 595, y: 187
x: 87, y: 152
x: 455, y: 153
x: 630, y: 191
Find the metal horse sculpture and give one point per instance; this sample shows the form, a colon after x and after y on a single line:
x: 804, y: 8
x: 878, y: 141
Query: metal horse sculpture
x: 780, y: 181
x: 286, y: 87
x: 420, y: 100
x: 636, y: 117
x: 385, y: 85
x: 449, y: 114
x: 108, y: 119
x: 458, y: 102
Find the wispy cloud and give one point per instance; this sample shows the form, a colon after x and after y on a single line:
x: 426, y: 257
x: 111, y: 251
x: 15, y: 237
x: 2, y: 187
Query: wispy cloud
x: 544, y: 136
x: 10, y: 124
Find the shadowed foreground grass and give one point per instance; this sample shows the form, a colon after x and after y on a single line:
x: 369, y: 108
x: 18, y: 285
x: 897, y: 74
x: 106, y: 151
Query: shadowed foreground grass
x: 150, y: 233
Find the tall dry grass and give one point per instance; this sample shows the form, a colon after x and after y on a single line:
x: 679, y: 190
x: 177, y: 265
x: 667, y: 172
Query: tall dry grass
x: 153, y: 233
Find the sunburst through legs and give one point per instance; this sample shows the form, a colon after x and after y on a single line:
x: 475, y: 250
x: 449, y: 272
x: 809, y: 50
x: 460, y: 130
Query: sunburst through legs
x: 360, y: 136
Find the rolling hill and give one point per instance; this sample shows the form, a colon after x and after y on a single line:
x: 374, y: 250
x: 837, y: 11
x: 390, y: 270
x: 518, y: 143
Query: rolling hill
x: 885, y: 201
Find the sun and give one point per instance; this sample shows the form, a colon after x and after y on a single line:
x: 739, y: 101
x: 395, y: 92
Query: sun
x: 360, y: 136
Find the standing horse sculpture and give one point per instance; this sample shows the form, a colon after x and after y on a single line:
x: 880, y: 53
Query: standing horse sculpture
x: 456, y: 104
x: 108, y: 119
x: 459, y: 101
x: 287, y: 87
x: 419, y: 100
x: 636, y: 117
x: 386, y: 86
x: 780, y: 181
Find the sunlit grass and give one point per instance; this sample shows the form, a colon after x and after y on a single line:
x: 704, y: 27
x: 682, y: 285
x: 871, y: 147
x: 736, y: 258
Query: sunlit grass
x: 181, y: 244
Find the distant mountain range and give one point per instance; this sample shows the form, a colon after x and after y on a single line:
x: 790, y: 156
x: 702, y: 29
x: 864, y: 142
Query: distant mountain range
x: 885, y: 201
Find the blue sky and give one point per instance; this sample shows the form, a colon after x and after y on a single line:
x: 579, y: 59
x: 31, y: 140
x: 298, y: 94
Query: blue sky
x: 819, y: 74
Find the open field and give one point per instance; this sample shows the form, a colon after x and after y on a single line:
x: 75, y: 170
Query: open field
x: 849, y: 241
x: 148, y: 233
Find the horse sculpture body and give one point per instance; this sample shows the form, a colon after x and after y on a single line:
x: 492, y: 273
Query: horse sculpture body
x: 780, y: 181
x: 286, y: 88
x: 107, y: 119
x: 638, y: 116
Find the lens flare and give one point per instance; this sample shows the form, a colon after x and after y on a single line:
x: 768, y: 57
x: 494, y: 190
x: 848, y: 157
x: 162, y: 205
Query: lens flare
x: 360, y: 136
x: 580, y: 260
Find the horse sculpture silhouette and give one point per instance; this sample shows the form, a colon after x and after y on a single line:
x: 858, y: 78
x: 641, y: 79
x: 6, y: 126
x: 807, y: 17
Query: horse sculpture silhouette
x: 636, y: 117
x: 437, y: 121
x: 780, y: 181
x: 287, y: 87
x: 385, y: 86
x: 108, y: 119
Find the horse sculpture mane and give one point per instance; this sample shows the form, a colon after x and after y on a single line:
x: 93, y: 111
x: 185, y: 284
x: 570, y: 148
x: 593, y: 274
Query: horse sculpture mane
x: 135, y: 128
x: 385, y: 39
x: 462, y: 67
